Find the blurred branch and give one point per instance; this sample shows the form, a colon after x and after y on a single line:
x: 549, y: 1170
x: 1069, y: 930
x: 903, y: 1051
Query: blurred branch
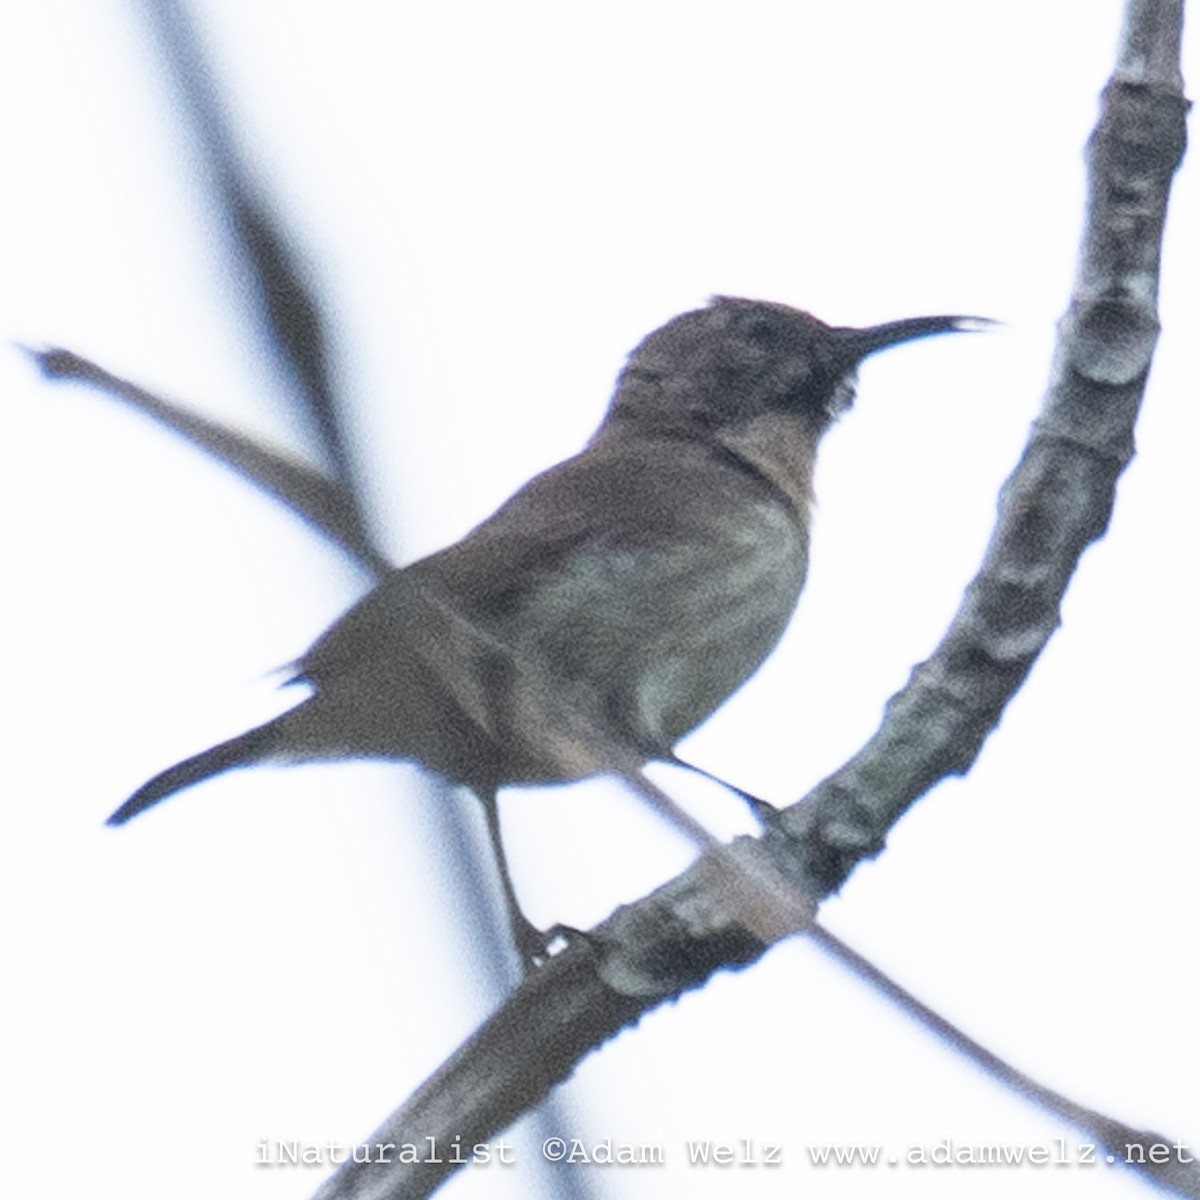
x: 735, y: 901
x: 326, y: 504
x: 1135, y: 1147
x: 292, y: 320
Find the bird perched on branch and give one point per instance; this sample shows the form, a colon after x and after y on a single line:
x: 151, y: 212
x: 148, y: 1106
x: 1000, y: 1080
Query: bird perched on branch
x: 615, y: 601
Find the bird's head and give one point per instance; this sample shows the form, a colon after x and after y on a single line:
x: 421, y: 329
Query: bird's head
x: 738, y: 360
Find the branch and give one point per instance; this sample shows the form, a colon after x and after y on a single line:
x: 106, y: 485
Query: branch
x: 290, y: 314
x: 1138, y: 1148
x: 1060, y: 496
x: 326, y: 504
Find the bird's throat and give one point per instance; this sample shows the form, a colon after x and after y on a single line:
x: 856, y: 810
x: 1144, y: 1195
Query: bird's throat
x: 780, y: 449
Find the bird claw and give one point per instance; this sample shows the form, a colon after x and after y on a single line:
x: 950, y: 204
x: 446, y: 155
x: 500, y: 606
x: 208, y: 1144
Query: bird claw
x: 536, y: 946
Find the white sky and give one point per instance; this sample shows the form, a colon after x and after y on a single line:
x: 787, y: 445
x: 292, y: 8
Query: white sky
x: 496, y: 202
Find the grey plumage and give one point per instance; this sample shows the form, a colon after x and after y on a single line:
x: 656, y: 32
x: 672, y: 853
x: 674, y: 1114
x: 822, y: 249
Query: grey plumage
x: 613, y: 602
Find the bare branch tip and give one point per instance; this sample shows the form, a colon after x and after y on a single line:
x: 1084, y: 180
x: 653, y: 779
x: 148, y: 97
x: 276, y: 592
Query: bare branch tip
x: 976, y: 324
x: 54, y: 362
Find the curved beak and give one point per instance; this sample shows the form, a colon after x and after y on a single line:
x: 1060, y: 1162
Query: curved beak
x: 858, y: 343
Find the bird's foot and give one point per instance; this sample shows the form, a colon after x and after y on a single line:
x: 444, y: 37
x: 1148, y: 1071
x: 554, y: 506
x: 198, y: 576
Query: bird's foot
x: 536, y: 947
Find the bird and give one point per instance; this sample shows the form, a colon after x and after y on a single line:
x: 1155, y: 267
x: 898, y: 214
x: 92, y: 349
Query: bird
x: 614, y: 601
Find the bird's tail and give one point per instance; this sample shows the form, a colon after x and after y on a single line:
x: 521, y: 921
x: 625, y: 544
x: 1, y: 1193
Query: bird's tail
x: 242, y: 751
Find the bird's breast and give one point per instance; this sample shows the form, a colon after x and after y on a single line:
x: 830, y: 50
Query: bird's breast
x: 651, y: 637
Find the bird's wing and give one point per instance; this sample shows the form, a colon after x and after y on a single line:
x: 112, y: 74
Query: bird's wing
x: 631, y: 497
x: 528, y: 535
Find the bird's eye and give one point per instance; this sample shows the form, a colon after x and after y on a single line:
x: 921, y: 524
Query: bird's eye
x: 763, y: 332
